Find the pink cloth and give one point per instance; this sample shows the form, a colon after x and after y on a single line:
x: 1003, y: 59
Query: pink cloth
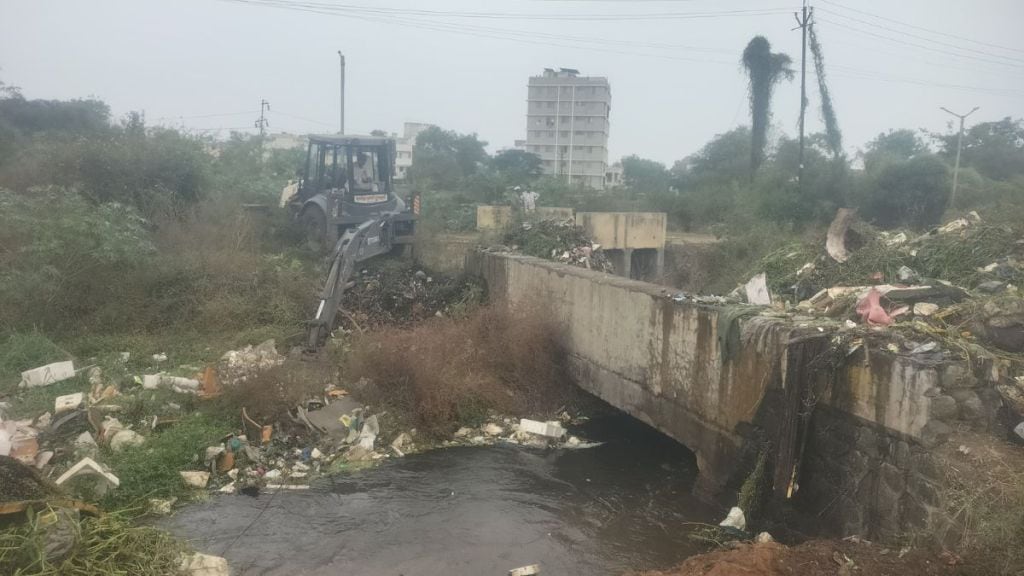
x: 871, y: 311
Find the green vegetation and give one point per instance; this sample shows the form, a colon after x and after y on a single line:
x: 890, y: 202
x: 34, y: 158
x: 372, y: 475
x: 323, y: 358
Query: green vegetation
x: 122, y: 237
x: 21, y: 351
x: 765, y: 69
x: 109, y: 545
x: 151, y: 470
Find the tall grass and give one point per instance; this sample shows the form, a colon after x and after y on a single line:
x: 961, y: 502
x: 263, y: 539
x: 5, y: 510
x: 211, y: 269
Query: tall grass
x: 445, y: 373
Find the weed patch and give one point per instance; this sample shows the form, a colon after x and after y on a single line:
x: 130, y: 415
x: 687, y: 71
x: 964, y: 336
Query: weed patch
x: 444, y: 372
x: 151, y: 470
x: 106, y: 545
x: 33, y: 402
x: 21, y: 351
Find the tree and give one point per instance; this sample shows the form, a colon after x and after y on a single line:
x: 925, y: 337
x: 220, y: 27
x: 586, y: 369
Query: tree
x: 378, y: 132
x: 765, y: 70
x: 994, y: 149
x: 910, y: 193
x: 643, y: 175
x: 833, y: 136
x: 725, y: 158
x: 443, y: 157
x: 517, y: 165
x: 892, y: 146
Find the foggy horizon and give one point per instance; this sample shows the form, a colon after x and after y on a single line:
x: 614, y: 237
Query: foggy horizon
x: 674, y: 66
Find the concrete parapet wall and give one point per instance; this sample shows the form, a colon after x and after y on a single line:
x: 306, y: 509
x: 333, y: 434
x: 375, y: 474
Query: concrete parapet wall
x: 624, y: 230
x: 493, y: 217
x: 551, y: 213
x: 662, y: 361
x: 658, y: 360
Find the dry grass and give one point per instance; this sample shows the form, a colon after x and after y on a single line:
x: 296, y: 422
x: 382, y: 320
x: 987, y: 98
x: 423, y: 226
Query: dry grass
x: 985, y: 499
x: 446, y: 372
x: 268, y: 394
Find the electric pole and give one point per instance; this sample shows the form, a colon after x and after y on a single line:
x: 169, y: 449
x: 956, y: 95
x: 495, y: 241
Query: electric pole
x: 262, y: 123
x: 801, y: 21
x: 959, y: 145
x: 341, y: 103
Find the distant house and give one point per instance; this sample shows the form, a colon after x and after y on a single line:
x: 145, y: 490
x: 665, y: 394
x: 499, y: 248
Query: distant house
x: 613, y: 176
x: 404, y: 147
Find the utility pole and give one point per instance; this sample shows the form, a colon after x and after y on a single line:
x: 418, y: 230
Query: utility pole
x: 801, y: 21
x: 341, y: 96
x: 959, y: 145
x: 262, y: 123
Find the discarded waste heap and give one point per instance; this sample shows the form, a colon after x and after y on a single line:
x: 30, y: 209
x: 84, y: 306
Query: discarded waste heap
x: 558, y: 240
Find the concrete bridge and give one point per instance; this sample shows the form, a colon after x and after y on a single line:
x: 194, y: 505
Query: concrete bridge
x: 847, y: 425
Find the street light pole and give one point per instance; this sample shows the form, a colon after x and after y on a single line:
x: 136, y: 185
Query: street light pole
x: 341, y: 104
x: 959, y: 146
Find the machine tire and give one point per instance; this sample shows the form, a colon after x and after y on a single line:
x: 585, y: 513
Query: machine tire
x: 314, y: 226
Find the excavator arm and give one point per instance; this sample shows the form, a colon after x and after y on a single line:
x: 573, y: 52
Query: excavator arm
x: 369, y: 239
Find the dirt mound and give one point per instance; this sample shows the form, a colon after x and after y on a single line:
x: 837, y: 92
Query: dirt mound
x: 815, y: 558
x: 21, y: 482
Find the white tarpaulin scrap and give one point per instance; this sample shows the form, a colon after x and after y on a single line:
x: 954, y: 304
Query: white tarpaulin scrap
x: 48, y: 374
x: 757, y: 290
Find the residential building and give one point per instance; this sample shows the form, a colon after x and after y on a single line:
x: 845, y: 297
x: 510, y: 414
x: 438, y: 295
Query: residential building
x: 404, y: 147
x: 567, y: 124
x: 613, y: 176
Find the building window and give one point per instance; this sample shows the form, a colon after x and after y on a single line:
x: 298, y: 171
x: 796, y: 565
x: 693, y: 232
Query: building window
x: 549, y: 148
x: 564, y: 134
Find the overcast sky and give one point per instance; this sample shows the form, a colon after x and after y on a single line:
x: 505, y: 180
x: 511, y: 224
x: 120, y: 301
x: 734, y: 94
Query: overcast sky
x: 673, y: 64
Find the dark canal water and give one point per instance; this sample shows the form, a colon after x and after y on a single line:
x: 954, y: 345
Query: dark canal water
x: 472, y: 510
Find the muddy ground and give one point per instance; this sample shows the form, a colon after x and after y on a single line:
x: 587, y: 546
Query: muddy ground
x: 814, y: 558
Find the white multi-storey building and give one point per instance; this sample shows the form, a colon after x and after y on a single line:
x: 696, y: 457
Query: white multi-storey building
x: 567, y: 125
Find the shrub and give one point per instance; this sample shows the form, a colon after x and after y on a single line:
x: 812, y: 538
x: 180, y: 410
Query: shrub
x: 912, y: 193
x: 445, y: 372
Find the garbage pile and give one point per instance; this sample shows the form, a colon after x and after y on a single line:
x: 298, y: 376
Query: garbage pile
x: 68, y: 443
x: 950, y: 293
x: 398, y: 294
x: 965, y: 252
x: 559, y: 240
x: 525, y: 432
x: 958, y: 281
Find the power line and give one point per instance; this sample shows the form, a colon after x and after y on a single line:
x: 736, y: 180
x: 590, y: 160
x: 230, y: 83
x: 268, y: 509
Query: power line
x: 217, y: 115
x: 493, y: 33
x: 974, y: 67
x: 922, y: 46
x: 862, y: 74
x: 535, y: 38
x: 923, y: 29
x: 925, y: 38
x: 615, y: 17
x: 310, y: 120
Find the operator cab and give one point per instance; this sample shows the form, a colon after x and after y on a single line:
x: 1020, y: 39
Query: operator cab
x: 346, y: 181
x: 354, y: 171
